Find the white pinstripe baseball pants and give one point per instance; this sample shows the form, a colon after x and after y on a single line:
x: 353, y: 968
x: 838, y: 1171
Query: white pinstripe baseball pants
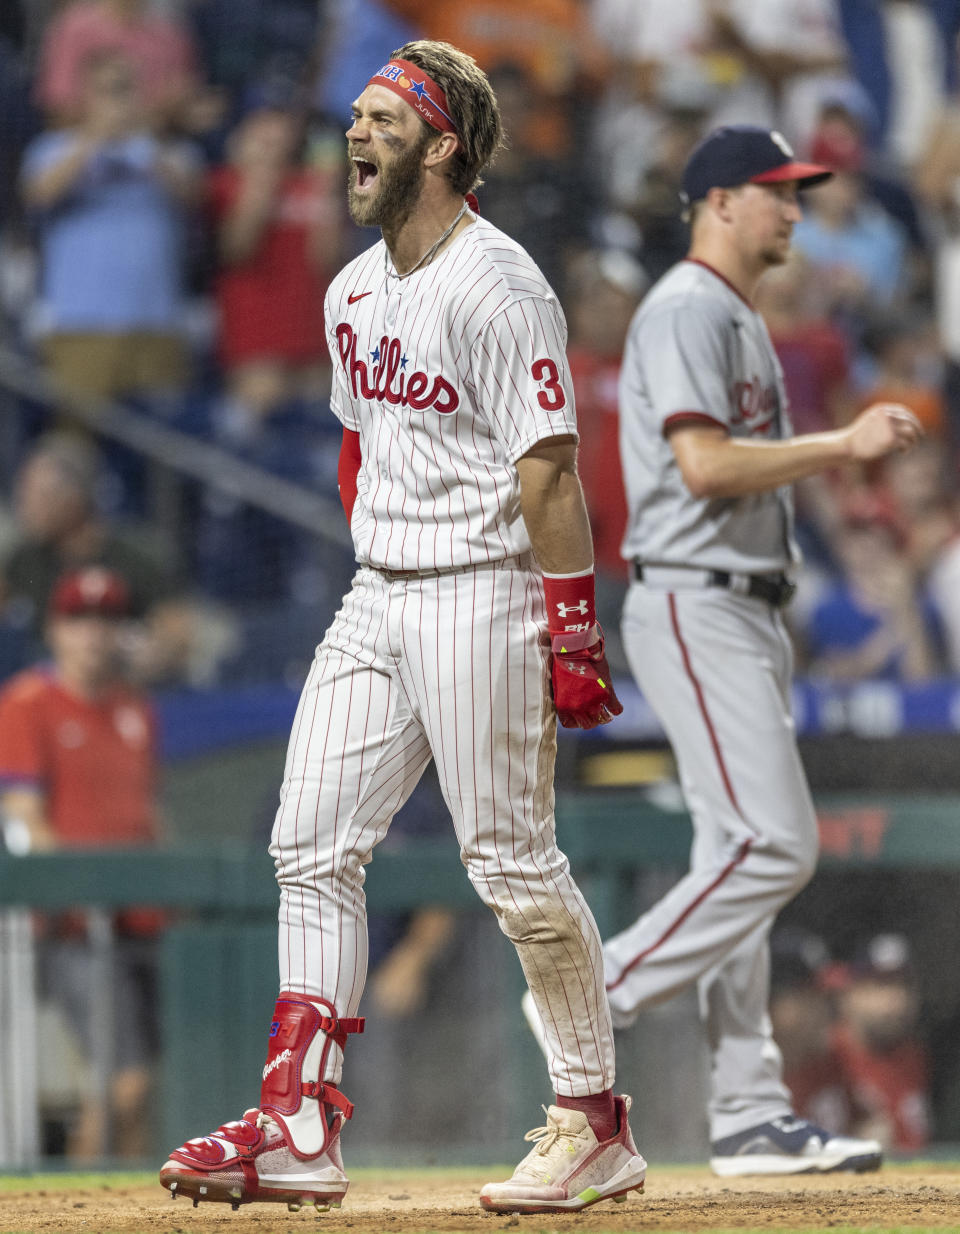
x: 451, y: 665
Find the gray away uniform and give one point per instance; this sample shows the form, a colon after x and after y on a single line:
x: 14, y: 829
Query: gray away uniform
x: 715, y: 663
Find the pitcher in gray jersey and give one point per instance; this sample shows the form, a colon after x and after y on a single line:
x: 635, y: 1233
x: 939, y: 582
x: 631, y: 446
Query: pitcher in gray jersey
x: 708, y: 457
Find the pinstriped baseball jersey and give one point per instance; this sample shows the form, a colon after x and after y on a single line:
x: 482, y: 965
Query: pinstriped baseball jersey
x: 697, y: 351
x: 449, y: 376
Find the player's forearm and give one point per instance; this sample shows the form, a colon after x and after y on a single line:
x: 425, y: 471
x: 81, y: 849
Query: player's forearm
x: 733, y: 468
x: 244, y: 227
x: 555, y: 514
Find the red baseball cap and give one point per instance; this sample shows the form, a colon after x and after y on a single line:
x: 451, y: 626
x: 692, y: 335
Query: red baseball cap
x: 91, y: 591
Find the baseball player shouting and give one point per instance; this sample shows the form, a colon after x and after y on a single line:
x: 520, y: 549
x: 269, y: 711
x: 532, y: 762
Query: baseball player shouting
x: 474, y: 588
x: 708, y: 458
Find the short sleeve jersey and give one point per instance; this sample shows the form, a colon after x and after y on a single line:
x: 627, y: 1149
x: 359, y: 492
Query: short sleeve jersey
x: 697, y: 352
x: 449, y: 376
x: 94, y: 762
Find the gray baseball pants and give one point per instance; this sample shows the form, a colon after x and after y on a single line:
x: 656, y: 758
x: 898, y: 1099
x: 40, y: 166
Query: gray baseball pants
x: 716, y: 668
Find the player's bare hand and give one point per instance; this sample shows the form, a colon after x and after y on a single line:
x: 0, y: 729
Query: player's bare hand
x: 583, y: 692
x: 884, y: 428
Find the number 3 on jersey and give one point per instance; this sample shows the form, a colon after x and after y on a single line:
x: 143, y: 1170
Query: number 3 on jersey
x: 552, y: 397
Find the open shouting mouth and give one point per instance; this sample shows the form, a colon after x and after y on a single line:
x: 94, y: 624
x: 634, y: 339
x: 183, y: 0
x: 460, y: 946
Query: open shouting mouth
x: 367, y: 174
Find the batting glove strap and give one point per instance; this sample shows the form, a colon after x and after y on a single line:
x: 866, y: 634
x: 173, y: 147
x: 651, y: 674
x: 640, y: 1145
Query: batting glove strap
x: 586, y: 640
x: 583, y: 692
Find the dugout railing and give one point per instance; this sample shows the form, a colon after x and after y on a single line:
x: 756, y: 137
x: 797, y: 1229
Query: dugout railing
x: 219, y: 954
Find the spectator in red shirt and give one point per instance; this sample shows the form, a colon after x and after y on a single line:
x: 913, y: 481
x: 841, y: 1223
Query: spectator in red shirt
x: 78, y: 770
x: 159, y: 48
x: 278, y: 217
x: 803, y: 1013
x: 604, y: 290
x: 815, y: 353
x: 878, y: 1045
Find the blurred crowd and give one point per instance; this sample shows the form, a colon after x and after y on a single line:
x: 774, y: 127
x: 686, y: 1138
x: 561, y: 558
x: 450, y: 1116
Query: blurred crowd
x: 172, y: 207
x: 854, y: 1054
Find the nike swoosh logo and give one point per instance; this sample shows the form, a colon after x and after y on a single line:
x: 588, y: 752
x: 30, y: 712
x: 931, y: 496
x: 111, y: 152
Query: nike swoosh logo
x: 355, y: 296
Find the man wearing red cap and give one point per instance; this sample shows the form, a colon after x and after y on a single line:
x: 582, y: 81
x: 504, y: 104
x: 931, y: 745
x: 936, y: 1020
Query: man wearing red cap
x: 475, y: 588
x: 78, y: 770
x: 708, y: 457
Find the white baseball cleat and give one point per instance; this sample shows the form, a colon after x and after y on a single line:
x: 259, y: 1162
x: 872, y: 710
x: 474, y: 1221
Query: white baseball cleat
x: 569, y: 1168
x: 792, y: 1146
x: 250, y: 1160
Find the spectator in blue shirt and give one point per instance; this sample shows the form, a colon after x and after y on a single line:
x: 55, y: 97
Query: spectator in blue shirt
x: 109, y: 201
x: 875, y: 621
x: 858, y: 250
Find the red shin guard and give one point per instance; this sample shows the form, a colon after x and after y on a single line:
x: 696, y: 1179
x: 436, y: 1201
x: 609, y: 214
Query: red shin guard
x: 301, y: 1033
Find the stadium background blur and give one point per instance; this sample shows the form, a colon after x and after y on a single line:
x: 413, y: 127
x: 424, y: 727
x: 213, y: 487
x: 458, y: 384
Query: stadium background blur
x: 172, y: 205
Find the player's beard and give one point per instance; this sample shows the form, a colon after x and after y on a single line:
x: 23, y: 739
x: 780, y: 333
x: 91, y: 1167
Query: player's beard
x: 776, y: 254
x: 398, y: 190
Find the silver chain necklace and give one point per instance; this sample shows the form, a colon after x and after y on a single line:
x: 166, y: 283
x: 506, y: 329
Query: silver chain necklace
x: 430, y: 251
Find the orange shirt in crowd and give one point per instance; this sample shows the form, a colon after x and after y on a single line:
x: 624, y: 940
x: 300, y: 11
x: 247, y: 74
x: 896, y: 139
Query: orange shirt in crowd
x: 95, y: 762
x: 926, y: 403
x: 550, y: 41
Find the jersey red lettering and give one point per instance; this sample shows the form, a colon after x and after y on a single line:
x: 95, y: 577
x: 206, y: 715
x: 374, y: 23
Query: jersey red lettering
x: 388, y: 383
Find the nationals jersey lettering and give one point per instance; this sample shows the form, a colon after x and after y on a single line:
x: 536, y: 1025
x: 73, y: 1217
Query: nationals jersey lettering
x: 698, y: 353
x: 754, y: 404
x: 387, y: 381
x: 449, y: 376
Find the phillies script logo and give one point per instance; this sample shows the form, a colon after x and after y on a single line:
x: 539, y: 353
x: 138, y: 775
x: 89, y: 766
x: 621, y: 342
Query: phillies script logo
x: 386, y: 378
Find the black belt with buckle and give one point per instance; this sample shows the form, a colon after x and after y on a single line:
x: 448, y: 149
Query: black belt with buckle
x: 774, y: 589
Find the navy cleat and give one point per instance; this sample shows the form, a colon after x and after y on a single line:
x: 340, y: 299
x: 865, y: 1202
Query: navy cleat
x: 792, y: 1146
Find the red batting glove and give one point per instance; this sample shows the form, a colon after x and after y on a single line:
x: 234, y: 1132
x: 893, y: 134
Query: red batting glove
x: 583, y: 692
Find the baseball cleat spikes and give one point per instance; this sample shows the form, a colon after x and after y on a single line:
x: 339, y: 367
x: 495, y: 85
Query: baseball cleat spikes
x: 249, y: 1161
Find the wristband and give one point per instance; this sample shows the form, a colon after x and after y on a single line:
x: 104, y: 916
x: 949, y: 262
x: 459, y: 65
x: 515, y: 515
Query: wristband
x: 571, y: 606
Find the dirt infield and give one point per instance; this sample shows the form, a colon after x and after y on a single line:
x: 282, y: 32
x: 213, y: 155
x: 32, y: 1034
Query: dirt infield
x: 404, y: 1202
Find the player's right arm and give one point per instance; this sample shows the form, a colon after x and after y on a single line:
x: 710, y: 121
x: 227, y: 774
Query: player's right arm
x: 714, y: 464
x: 680, y: 356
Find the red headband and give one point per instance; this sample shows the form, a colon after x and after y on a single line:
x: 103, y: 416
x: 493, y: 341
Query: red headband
x: 418, y: 89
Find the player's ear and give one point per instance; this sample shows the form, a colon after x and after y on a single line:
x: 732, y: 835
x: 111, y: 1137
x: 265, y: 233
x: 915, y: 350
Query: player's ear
x: 441, y: 148
x: 718, y: 199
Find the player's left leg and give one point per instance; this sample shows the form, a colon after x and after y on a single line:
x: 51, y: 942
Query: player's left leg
x: 483, y: 698
x: 746, y: 1069
x: 752, y: 1125
x: 355, y: 753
